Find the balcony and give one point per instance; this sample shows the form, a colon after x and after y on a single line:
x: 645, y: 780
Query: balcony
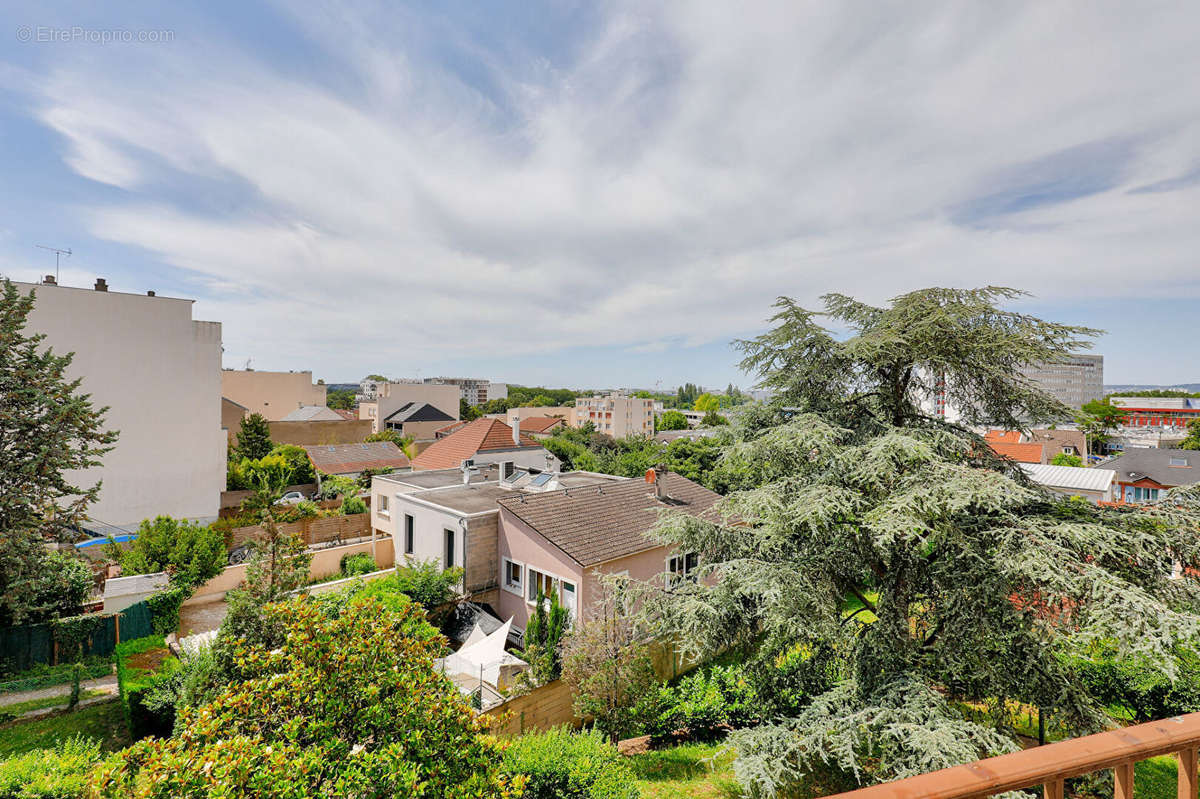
x: 1049, y: 766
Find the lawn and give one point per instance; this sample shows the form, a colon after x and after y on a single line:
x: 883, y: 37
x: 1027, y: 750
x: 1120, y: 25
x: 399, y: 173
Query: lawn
x: 105, y: 720
x: 690, y: 771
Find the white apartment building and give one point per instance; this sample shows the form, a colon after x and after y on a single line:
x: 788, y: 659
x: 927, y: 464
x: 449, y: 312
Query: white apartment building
x: 474, y: 390
x: 617, y: 415
x: 159, y: 373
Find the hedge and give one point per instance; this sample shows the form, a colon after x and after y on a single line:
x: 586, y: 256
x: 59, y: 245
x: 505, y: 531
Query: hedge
x: 134, y: 682
x: 43, y: 676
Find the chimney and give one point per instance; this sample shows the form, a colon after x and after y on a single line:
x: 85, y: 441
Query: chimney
x: 101, y: 284
x: 516, y: 428
x: 49, y: 280
x: 655, y: 475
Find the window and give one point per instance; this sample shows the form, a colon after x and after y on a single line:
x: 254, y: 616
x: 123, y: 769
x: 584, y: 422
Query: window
x: 539, y: 581
x: 506, y: 469
x: 569, y: 600
x: 680, y: 567
x: 513, y: 574
x: 383, y: 505
x: 1179, y: 462
x: 449, y: 548
x: 408, y: 534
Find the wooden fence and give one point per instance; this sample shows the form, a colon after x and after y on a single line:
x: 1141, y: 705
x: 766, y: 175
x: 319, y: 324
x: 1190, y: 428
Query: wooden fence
x: 552, y: 704
x: 232, y: 500
x: 313, y: 531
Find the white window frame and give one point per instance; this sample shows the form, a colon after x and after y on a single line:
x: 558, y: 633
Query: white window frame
x: 410, y: 534
x: 518, y: 588
x: 685, y: 573
x: 449, y: 548
x: 382, y: 510
x: 532, y: 584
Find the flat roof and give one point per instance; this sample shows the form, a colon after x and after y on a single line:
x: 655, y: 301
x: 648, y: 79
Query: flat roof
x: 482, y: 496
x: 443, y: 478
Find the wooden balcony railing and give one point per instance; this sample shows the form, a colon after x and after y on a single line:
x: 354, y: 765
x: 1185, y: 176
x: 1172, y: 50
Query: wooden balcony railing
x: 1048, y: 766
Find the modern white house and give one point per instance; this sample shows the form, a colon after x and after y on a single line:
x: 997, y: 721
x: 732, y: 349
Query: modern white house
x: 159, y: 373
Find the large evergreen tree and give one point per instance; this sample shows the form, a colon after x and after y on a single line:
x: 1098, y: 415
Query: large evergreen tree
x: 48, y: 429
x: 885, y: 563
x: 254, y: 437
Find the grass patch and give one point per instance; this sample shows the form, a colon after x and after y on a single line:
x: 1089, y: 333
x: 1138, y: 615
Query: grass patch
x: 20, y: 708
x: 1155, y: 778
x: 690, y: 771
x: 104, y: 721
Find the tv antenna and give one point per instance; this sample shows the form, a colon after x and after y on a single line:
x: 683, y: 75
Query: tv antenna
x: 57, y: 252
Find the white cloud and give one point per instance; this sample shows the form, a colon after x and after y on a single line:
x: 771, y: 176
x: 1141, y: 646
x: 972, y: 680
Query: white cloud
x: 684, y: 168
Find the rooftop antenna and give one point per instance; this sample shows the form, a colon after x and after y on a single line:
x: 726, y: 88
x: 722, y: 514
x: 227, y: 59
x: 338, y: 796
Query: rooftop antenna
x: 57, y: 252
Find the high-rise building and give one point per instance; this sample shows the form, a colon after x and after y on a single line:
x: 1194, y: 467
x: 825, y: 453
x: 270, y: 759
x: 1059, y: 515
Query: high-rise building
x: 159, y: 373
x: 616, y: 414
x: 1074, y: 381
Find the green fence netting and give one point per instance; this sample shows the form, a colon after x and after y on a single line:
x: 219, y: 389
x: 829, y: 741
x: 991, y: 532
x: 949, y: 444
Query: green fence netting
x: 23, y: 648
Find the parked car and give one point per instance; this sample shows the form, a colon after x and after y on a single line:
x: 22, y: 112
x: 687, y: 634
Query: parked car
x: 291, y: 498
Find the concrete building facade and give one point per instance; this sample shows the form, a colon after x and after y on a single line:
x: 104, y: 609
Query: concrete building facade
x: 1075, y: 381
x: 390, y: 397
x: 159, y: 373
x: 273, y: 394
x: 616, y: 414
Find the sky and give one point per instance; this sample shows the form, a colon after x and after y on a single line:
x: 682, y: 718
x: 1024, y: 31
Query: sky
x: 604, y: 193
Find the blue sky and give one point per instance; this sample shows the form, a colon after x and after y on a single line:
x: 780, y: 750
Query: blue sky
x: 596, y: 194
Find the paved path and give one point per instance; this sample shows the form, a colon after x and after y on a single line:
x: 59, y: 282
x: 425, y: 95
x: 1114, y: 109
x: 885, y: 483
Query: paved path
x: 106, y: 684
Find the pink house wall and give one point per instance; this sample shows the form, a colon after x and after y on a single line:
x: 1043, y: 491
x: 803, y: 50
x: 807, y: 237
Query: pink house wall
x: 521, y: 543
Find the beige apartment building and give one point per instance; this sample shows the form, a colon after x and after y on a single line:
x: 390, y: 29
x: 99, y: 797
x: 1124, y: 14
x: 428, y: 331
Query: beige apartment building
x: 393, y: 397
x: 159, y: 373
x: 273, y: 394
x: 617, y: 414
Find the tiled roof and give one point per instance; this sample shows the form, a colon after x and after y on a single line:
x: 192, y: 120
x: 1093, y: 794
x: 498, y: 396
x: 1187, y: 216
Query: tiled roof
x: 480, y: 435
x: 351, y: 458
x: 1003, y: 436
x: 594, y: 524
x: 1021, y: 453
x: 540, y: 424
x: 450, y: 428
x: 1060, y: 439
x: 349, y: 416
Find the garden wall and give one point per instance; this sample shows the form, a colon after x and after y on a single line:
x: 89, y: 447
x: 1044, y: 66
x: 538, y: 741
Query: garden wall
x: 325, y: 561
x: 234, y: 499
x: 312, y: 531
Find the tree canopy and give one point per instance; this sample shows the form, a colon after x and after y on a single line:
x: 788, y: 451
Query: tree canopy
x: 672, y: 420
x: 254, y: 437
x: 50, y: 433
x: 896, y: 563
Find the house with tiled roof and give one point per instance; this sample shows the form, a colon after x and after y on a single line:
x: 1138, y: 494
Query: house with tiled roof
x: 1019, y: 452
x: 353, y: 459
x: 565, y: 541
x: 485, y: 441
x: 1144, y: 474
x: 542, y: 426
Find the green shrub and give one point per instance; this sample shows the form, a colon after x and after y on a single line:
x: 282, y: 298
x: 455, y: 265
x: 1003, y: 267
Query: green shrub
x: 707, y: 702
x: 334, y: 486
x: 134, y: 683
x: 164, y: 607
x: 192, y: 552
x: 305, y: 509
x: 297, y: 459
x: 358, y: 563
x: 561, y: 764
x: 1143, y: 690
x: 422, y: 581
x: 58, y: 773
x: 353, y: 505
